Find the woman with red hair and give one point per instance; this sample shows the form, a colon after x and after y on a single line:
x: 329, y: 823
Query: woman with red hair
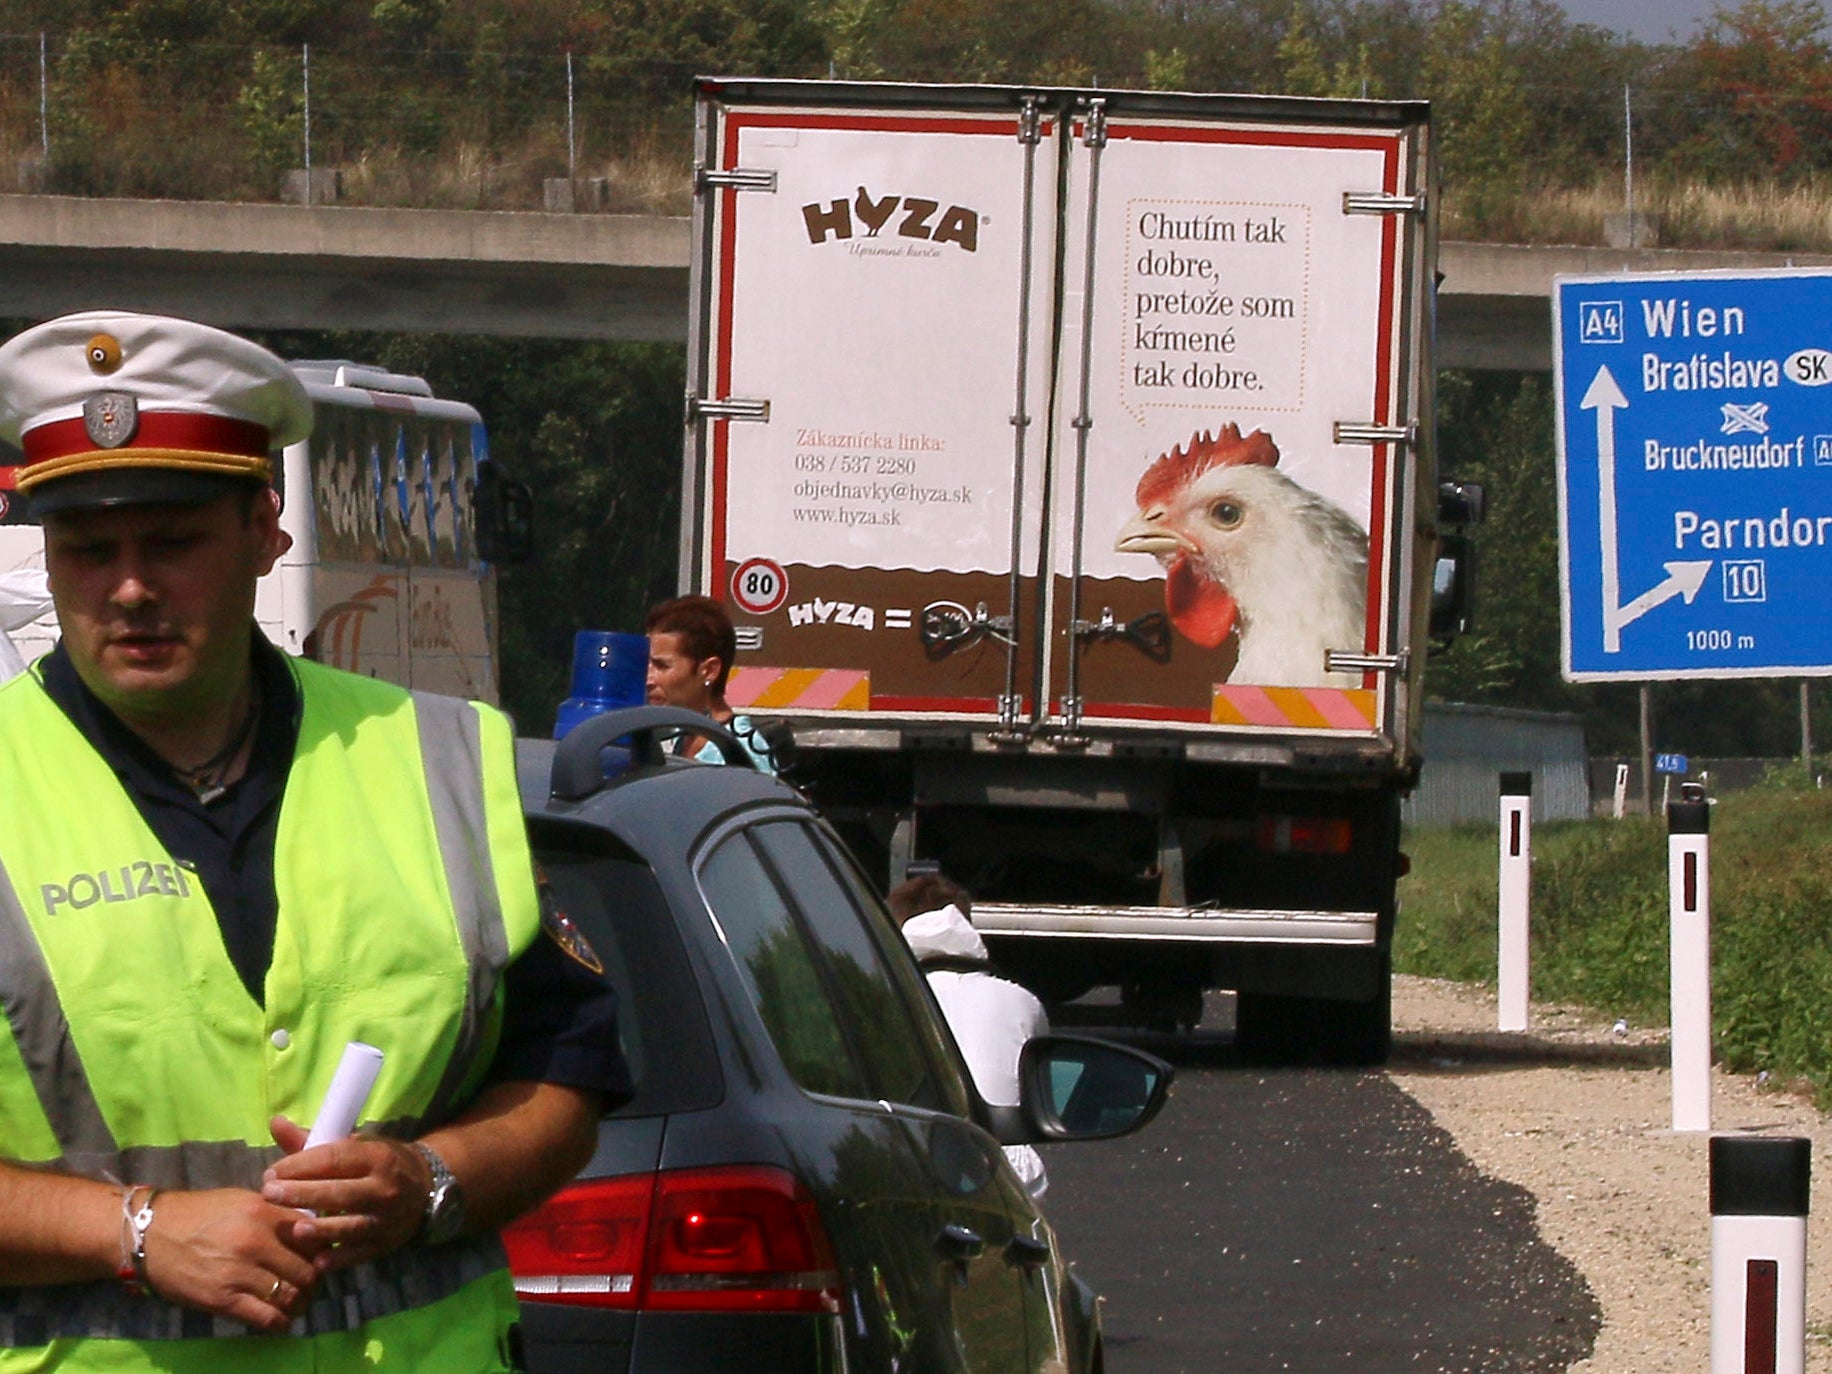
x: 691, y: 647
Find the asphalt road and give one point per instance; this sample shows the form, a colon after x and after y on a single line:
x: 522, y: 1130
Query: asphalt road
x: 1313, y: 1220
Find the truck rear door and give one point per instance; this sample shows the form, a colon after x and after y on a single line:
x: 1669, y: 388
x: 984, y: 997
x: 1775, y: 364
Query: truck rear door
x: 1232, y: 463
x: 1043, y: 411
x: 871, y: 369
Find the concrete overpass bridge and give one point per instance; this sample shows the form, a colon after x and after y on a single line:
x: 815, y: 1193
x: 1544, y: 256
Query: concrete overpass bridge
x: 573, y: 276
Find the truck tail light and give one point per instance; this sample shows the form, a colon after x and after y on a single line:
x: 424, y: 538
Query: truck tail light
x: 1303, y: 835
x: 739, y: 1239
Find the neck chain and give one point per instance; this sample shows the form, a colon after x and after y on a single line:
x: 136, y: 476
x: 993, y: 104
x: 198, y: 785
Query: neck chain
x: 206, y: 779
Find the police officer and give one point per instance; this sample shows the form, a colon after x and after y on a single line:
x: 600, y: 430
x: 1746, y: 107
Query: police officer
x: 218, y: 866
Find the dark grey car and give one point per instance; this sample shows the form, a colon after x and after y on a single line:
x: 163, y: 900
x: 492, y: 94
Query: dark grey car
x: 805, y: 1179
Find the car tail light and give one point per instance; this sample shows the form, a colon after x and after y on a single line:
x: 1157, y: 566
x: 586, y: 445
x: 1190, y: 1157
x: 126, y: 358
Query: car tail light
x: 1303, y: 835
x: 741, y: 1239
x: 585, y: 1245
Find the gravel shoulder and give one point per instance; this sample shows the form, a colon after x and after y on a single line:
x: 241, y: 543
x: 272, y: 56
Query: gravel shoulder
x: 1579, y: 1114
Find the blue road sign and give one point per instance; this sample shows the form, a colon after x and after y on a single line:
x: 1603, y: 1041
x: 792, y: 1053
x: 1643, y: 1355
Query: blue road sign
x: 1670, y: 763
x: 1695, y: 474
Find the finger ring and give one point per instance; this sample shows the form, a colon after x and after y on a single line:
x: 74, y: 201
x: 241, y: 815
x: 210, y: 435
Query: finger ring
x: 274, y: 1292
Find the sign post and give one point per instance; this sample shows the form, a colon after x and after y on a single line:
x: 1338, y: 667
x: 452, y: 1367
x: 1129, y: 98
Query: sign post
x: 1759, y: 1188
x: 1513, y: 899
x: 1689, y: 903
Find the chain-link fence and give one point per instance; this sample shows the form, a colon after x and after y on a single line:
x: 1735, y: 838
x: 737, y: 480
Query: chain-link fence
x: 86, y: 116
x: 1730, y: 165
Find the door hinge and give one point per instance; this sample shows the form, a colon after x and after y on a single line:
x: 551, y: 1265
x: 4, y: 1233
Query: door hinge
x: 1381, y: 203
x: 731, y: 408
x: 735, y: 179
x: 1095, y: 134
x: 1030, y: 120
x: 1350, y: 432
x: 1340, y: 661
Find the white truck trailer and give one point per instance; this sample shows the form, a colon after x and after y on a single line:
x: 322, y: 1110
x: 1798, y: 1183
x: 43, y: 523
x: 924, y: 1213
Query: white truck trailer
x: 1065, y: 458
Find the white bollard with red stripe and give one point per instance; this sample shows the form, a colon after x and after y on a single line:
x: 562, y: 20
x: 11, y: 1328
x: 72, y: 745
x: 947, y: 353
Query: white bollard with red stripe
x: 1759, y: 1187
x: 1516, y: 885
x: 1689, y: 903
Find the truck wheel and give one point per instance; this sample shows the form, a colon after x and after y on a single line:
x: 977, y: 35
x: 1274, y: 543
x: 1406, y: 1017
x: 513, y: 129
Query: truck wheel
x: 1314, y: 1030
x: 1054, y: 990
x: 1175, y: 1009
x: 1360, y: 1033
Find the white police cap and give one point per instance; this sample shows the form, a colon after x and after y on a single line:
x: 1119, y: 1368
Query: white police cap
x: 112, y: 408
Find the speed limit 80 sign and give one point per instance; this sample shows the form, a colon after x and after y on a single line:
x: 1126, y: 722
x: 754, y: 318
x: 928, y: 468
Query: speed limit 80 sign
x: 759, y: 586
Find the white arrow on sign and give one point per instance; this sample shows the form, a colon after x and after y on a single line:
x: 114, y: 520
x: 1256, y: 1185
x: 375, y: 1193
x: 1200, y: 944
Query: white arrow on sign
x: 1683, y: 579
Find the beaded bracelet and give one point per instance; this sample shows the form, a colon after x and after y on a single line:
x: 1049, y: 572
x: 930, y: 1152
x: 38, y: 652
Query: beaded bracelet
x: 136, y: 1220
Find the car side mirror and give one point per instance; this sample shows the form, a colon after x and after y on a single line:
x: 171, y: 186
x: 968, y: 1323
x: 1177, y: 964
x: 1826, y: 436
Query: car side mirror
x: 1453, y: 589
x: 1076, y: 1087
x: 1453, y: 574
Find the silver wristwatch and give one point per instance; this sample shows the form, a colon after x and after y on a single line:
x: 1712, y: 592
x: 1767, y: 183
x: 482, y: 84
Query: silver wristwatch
x: 444, y: 1218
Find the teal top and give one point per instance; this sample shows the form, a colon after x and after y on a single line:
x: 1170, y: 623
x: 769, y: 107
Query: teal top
x: 754, y: 744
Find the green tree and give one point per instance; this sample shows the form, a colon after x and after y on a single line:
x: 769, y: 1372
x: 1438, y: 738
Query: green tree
x: 1485, y: 128
x: 674, y: 39
x: 408, y: 23
x: 1167, y: 71
x: 1306, y: 72
x: 270, y: 105
x: 1496, y: 429
x: 1753, y: 93
x: 595, y: 430
x: 852, y: 29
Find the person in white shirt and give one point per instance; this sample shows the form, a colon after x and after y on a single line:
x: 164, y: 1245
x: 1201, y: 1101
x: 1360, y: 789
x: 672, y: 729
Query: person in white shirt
x: 991, y: 1017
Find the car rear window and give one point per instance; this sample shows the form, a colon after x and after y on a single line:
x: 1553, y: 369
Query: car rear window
x: 661, y: 1018
x: 814, y: 970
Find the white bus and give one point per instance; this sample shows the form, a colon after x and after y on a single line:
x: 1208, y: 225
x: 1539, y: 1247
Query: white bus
x: 398, y: 520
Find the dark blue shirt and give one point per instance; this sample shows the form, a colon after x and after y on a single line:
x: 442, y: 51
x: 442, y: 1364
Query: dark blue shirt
x: 560, y: 1018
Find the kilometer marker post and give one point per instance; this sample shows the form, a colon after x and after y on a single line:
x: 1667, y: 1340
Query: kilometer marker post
x: 1513, y: 897
x: 1689, y: 903
x: 1759, y: 1187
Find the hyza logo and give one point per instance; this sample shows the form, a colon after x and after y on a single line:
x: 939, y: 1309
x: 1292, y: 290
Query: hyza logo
x: 1600, y: 322
x: 916, y: 218
x: 822, y: 612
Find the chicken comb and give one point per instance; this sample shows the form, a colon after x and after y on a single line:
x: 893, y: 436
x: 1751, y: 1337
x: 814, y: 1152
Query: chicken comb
x: 1181, y: 466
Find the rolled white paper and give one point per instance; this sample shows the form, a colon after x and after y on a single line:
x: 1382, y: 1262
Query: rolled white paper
x: 349, y: 1090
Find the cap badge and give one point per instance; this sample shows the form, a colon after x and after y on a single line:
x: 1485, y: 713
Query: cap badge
x: 111, y: 417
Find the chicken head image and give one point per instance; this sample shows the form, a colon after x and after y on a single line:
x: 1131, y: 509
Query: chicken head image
x: 1250, y: 553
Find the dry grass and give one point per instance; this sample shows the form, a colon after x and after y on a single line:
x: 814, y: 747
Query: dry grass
x: 128, y: 147
x: 647, y: 183
x: 1753, y: 216
x: 641, y: 179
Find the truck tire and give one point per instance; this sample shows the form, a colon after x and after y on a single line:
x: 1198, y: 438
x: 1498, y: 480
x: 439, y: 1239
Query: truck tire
x: 1174, y: 1008
x: 1315, y: 1030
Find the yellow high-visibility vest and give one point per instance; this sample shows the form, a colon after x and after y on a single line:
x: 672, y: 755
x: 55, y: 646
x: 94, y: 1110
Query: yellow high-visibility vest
x: 130, y: 1049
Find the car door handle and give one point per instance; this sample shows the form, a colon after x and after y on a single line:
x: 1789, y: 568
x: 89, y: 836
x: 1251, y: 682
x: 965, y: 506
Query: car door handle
x: 961, y: 1243
x: 1027, y: 1253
